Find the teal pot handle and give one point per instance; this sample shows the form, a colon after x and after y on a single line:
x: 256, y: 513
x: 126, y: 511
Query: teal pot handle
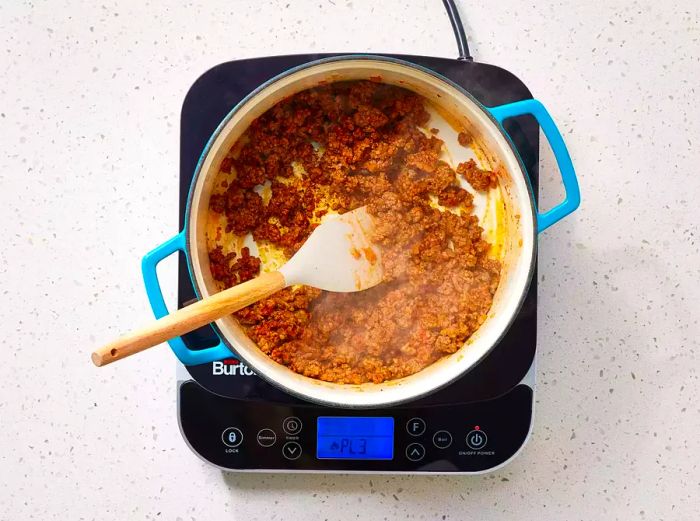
x: 572, y: 197
x: 155, y: 296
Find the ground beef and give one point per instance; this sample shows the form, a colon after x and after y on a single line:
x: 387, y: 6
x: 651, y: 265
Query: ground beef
x: 243, y: 208
x: 220, y: 265
x: 475, y: 176
x: 338, y: 147
x: 453, y: 195
x: 464, y: 139
x: 244, y: 268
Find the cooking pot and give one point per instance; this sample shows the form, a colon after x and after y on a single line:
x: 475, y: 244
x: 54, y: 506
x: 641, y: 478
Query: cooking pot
x: 520, y: 224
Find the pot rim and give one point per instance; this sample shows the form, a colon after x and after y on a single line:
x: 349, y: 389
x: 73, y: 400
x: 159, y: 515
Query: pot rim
x: 369, y: 58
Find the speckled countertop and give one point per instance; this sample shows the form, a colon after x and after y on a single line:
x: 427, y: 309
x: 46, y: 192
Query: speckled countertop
x: 89, y: 113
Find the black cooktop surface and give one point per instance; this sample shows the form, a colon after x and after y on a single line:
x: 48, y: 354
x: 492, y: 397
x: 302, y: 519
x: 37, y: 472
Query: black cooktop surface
x: 218, y: 90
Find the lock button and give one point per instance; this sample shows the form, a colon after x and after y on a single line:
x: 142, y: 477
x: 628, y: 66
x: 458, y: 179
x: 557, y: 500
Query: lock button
x: 232, y: 437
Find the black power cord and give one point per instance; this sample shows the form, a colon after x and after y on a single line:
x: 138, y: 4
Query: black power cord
x: 458, y: 28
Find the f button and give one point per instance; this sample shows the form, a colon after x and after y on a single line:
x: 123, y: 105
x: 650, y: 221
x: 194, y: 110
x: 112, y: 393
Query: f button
x: 415, y: 426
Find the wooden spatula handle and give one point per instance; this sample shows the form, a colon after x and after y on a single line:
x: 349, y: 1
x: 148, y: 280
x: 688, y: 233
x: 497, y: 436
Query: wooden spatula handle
x: 191, y: 317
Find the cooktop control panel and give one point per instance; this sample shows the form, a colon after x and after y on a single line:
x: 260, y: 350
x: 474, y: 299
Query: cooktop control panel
x: 247, y: 435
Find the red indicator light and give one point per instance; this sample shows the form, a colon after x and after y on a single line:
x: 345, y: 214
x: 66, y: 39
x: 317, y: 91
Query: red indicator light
x: 476, y: 428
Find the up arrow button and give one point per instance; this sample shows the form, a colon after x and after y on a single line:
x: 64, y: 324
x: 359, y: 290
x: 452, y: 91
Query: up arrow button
x: 415, y: 452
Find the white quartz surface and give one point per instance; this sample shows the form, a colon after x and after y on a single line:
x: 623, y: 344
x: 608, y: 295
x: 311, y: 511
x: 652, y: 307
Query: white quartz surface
x: 90, y: 98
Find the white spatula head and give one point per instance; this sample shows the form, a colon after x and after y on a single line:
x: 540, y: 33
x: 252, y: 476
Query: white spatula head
x: 338, y: 256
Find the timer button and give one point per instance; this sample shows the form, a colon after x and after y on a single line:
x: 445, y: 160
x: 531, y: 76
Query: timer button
x: 476, y: 439
x: 232, y: 437
x: 291, y: 450
x: 292, y: 425
x: 442, y: 439
x: 415, y: 426
x: 415, y: 452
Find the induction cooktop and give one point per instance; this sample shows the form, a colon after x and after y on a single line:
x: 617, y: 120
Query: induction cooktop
x: 237, y: 421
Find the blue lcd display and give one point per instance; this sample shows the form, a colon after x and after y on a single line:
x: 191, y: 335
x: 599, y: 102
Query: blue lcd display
x: 359, y: 438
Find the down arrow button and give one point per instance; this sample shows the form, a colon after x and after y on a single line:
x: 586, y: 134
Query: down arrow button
x: 291, y: 450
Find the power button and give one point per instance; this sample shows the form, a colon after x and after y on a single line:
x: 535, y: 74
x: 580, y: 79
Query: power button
x: 476, y: 439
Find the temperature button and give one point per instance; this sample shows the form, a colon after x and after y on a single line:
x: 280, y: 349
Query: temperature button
x: 232, y: 437
x: 476, y: 439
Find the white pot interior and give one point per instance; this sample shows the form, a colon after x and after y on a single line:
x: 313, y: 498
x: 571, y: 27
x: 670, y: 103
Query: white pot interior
x: 518, y: 243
